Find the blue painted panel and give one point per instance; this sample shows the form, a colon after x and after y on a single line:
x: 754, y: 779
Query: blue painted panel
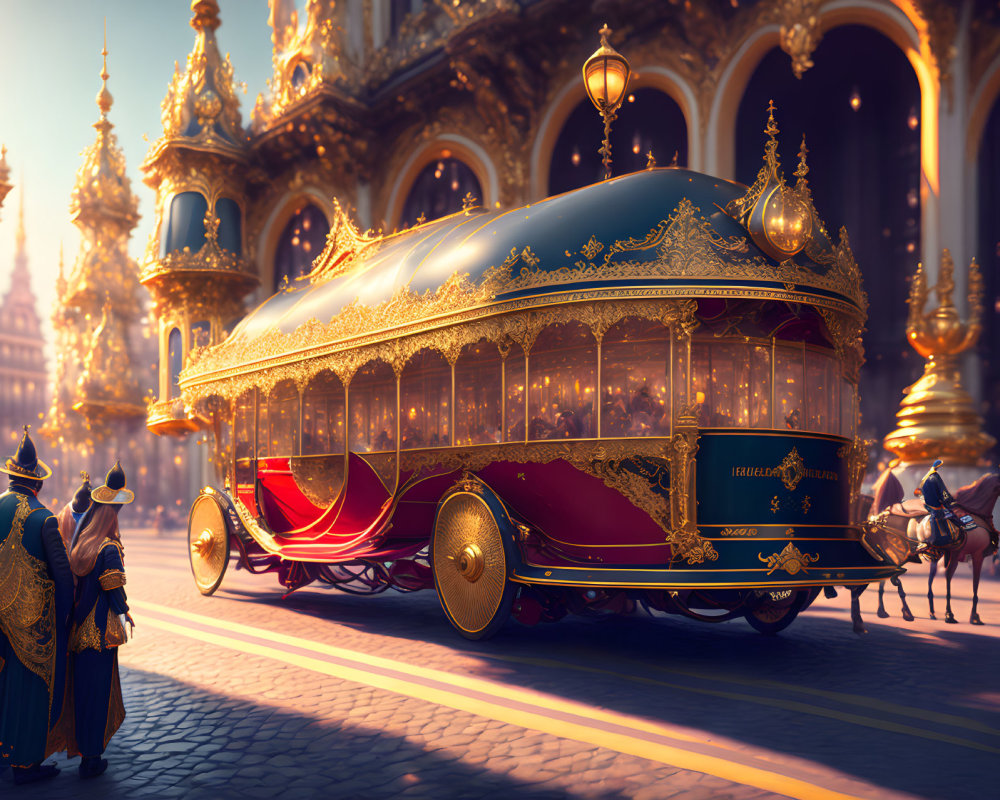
x: 230, y: 225
x: 186, y: 223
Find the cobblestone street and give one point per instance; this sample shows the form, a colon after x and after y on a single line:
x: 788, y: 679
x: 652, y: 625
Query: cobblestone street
x: 320, y: 694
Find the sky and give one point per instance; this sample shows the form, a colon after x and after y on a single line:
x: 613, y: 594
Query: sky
x: 50, y: 65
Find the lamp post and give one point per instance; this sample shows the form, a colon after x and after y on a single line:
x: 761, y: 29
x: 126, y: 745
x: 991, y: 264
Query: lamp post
x: 605, y: 76
x: 5, y: 186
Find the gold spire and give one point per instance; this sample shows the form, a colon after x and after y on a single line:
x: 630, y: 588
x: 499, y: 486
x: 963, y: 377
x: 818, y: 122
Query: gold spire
x: 104, y: 98
x: 102, y: 198
x: 803, y: 168
x: 936, y: 417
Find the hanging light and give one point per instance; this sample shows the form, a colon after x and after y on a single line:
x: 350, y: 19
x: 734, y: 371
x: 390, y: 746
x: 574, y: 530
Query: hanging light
x: 605, y: 77
x: 855, y: 100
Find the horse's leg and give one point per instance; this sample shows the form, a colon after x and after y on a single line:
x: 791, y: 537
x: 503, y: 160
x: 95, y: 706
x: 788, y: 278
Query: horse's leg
x: 882, y: 613
x: 907, y: 614
x: 931, y: 572
x: 977, y: 566
x: 859, y: 625
x: 950, y: 566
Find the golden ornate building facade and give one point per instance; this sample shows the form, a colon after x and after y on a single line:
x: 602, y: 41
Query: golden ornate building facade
x: 23, y: 375
x: 400, y: 110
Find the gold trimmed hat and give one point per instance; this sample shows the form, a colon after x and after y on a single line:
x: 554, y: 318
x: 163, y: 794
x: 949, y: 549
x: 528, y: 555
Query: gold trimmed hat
x: 113, y: 491
x: 81, y: 500
x: 25, y: 462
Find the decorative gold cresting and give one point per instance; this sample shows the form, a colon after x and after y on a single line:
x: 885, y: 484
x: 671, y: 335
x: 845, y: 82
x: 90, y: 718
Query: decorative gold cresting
x: 936, y: 418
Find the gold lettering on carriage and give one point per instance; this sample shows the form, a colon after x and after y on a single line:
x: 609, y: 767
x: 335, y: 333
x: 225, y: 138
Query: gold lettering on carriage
x: 791, y: 471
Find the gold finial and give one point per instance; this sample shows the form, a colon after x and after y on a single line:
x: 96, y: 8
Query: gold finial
x: 673, y: 161
x: 84, y: 475
x: 650, y: 161
x: 422, y: 218
x: 802, y: 169
x: 27, y: 428
x: 604, y: 33
x: 206, y: 15
x: 772, y: 127
x: 469, y: 201
x: 104, y: 98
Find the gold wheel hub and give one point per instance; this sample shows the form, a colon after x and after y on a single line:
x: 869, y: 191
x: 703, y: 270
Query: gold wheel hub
x: 470, y: 562
x: 204, y: 544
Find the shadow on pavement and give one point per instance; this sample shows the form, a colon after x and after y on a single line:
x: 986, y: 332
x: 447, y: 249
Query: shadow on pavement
x: 940, y: 674
x: 191, y: 743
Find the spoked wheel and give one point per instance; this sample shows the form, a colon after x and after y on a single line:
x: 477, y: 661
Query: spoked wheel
x: 772, y: 614
x: 208, y: 537
x: 470, y: 566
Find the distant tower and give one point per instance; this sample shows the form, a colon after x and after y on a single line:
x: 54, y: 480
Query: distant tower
x: 22, y: 359
x: 102, y: 345
x: 195, y: 266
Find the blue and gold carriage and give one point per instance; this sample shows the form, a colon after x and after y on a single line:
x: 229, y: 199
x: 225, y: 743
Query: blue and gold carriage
x: 642, y: 391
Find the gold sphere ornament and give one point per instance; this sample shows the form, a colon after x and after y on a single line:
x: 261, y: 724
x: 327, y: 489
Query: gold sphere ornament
x: 787, y: 222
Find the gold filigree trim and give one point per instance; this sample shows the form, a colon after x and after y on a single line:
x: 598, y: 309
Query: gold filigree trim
x: 85, y: 636
x: 790, y: 559
x: 792, y: 470
x: 112, y: 579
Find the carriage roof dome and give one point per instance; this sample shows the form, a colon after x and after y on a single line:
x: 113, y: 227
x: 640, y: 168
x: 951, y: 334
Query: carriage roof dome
x: 659, y: 232
x: 600, y: 232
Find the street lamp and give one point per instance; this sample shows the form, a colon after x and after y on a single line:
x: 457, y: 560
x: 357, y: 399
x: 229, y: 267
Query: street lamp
x: 4, y: 175
x: 605, y: 76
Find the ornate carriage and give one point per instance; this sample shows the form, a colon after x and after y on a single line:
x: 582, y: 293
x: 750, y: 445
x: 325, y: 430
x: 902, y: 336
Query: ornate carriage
x: 642, y: 391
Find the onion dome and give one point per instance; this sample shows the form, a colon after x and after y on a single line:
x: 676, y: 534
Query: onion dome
x: 102, y: 198
x: 106, y: 388
x: 5, y: 185
x: 201, y: 109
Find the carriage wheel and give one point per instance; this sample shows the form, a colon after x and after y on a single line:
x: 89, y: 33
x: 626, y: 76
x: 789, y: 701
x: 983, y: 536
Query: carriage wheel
x: 770, y: 617
x: 208, y: 537
x: 470, y: 564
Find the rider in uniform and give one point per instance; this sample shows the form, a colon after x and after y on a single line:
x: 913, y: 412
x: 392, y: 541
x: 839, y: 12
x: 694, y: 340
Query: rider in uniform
x: 938, y: 502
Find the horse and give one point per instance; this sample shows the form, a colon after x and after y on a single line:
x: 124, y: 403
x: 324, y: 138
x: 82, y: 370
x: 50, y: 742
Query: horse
x: 910, y: 524
x: 887, y: 492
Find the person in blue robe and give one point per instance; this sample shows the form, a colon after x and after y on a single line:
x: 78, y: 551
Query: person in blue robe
x: 938, y: 502
x: 36, y: 593
x: 100, y: 617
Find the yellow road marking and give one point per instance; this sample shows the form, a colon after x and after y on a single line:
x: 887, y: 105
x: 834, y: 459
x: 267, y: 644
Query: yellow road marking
x: 623, y: 743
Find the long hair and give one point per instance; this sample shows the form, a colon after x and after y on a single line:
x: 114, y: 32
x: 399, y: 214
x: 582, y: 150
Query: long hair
x: 980, y: 496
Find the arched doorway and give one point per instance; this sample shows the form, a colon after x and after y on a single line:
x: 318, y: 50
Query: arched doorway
x: 439, y: 189
x: 301, y: 240
x: 649, y: 120
x: 859, y: 108
x: 988, y: 255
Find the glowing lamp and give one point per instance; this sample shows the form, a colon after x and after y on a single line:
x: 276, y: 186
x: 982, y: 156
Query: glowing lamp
x: 605, y: 77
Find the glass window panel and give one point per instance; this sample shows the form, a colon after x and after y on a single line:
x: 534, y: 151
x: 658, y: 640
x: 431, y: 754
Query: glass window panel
x: 701, y: 380
x: 817, y: 394
x: 514, y: 379
x: 425, y: 401
x: 788, y: 381
x: 323, y: 430
x: 243, y: 430
x: 283, y: 420
x: 478, y: 394
x: 372, y: 409
x: 760, y: 387
x: 848, y: 418
x: 730, y: 385
x: 635, y: 369
x: 175, y: 360
x: 262, y: 430
x: 561, y: 383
